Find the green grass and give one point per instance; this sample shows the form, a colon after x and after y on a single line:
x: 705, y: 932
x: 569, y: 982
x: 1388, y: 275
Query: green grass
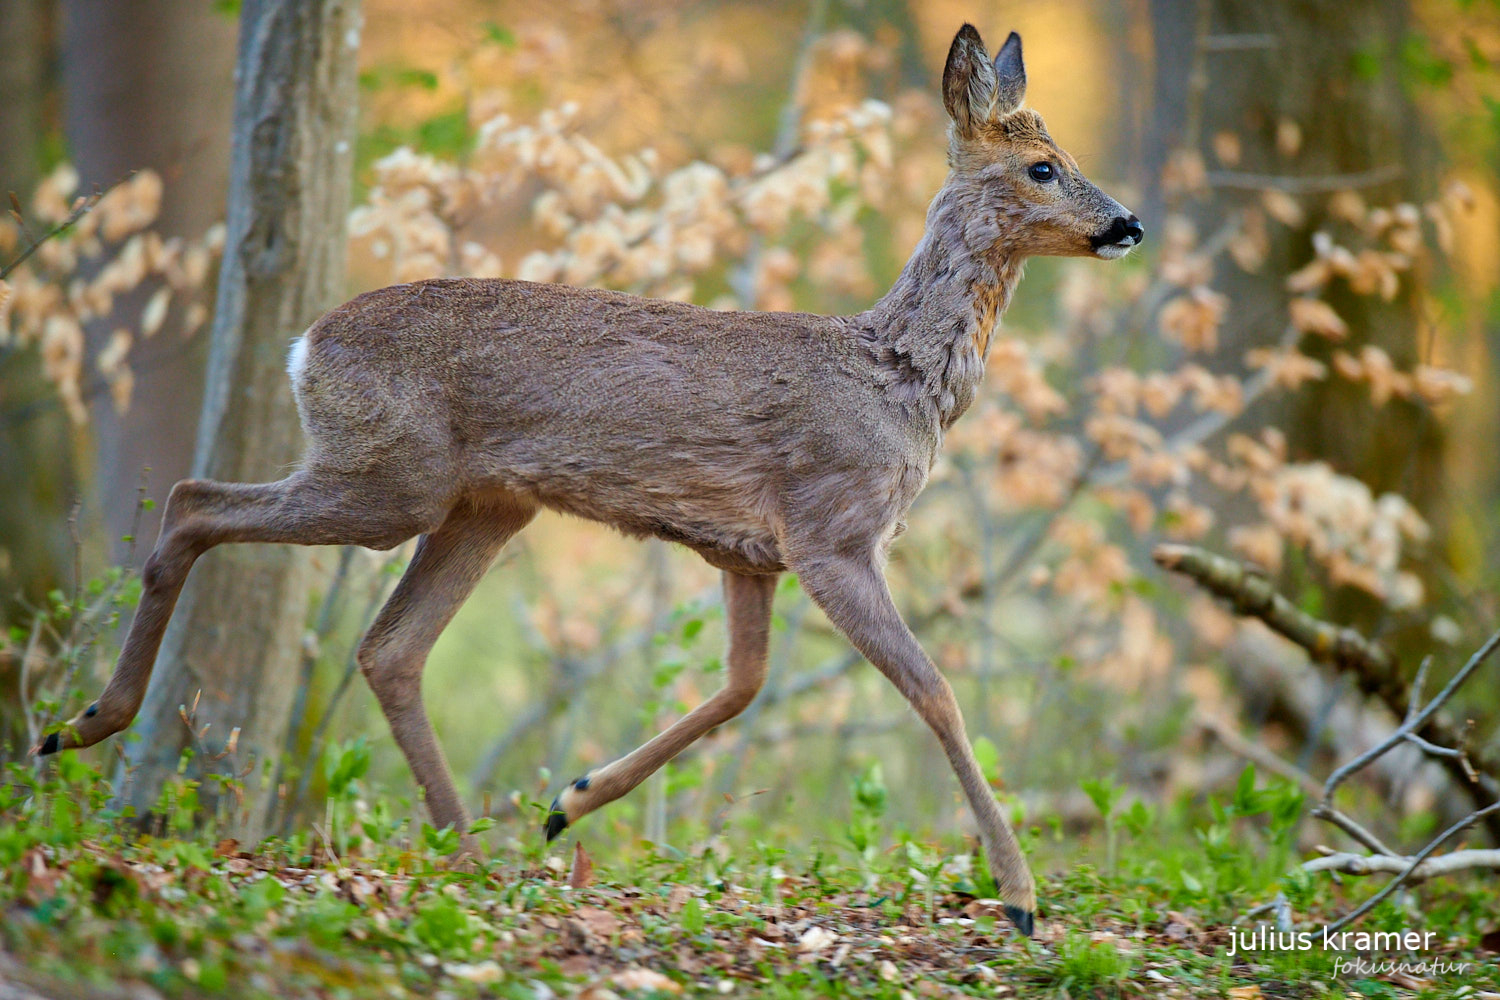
x: 365, y: 905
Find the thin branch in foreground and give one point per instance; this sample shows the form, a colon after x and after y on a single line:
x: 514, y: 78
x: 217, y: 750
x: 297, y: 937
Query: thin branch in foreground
x: 1366, y: 864
x: 1251, y: 594
x: 82, y: 208
x: 1329, y: 814
x: 1416, y: 861
x: 1415, y: 720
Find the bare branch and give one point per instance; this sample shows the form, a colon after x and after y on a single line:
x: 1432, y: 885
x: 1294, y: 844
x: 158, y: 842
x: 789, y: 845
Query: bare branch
x: 1322, y: 183
x: 1432, y: 748
x: 83, y: 208
x: 1415, y: 863
x: 1329, y: 814
x: 1415, y: 722
x: 1237, y: 43
x: 1251, y: 594
x: 1257, y: 754
x: 1365, y: 864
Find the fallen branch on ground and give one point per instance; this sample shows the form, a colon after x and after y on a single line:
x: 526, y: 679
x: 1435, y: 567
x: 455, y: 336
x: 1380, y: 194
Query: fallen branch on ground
x: 1364, y: 864
x: 1251, y: 594
x: 1374, y: 668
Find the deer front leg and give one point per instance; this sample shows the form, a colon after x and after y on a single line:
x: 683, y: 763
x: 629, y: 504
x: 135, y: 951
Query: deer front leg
x: 851, y: 590
x: 747, y: 612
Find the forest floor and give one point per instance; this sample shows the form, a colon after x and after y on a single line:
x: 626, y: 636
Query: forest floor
x: 178, y: 917
x: 363, y: 903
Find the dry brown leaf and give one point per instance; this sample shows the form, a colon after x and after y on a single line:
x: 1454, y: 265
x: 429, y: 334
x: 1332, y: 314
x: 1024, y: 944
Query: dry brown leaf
x: 1317, y: 316
x: 644, y: 979
x: 1288, y: 137
x: 1284, y: 208
x: 678, y: 898
x: 582, y: 873
x: 1407, y: 981
x: 816, y: 939
x: 1193, y: 319
x: 600, y: 924
x: 1227, y: 148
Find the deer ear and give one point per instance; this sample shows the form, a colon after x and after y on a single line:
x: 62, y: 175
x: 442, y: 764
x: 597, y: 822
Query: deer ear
x: 968, y: 81
x: 1010, y: 76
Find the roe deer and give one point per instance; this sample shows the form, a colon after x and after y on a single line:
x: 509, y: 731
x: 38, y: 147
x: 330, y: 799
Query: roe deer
x: 455, y: 409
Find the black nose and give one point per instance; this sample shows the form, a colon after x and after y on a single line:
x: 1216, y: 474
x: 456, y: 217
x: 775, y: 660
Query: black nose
x: 1120, y: 230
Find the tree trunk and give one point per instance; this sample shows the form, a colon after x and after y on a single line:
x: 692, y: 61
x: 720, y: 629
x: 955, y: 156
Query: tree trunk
x: 1269, y: 64
x: 148, y: 85
x: 237, y: 629
x: 1273, y: 63
x: 33, y: 442
x: 36, y: 438
x: 22, y: 88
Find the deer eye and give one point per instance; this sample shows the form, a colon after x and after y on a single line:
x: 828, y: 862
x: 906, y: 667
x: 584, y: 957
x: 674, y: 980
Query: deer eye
x: 1042, y: 172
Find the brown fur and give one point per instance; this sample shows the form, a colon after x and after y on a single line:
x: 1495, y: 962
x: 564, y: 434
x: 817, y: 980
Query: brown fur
x: 989, y: 302
x: 455, y: 409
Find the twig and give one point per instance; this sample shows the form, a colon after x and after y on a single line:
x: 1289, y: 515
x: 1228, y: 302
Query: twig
x: 1254, y: 752
x: 1433, y: 749
x: 1237, y: 43
x: 1422, y: 865
x: 1329, y: 814
x: 1415, y: 863
x: 1415, y: 721
x: 79, y: 211
x: 1304, y: 185
x: 1366, y: 864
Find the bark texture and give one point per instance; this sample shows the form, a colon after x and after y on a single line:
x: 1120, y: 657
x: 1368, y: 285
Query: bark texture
x: 36, y: 438
x: 23, y: 88
x: 149, y: 84
x: 1253, y: 70
x: 236, y: 632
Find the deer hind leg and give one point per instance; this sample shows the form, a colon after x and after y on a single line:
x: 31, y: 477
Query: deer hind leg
x: 306, y: 508
x: 447, y: 566
x: 747, y: 612
x: 851, y: 590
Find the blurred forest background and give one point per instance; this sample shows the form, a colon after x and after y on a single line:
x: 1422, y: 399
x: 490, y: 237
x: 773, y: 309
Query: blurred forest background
x: 1299, y: 369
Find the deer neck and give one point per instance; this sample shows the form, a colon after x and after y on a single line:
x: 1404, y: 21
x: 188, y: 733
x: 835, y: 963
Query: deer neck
x: 930, y: 334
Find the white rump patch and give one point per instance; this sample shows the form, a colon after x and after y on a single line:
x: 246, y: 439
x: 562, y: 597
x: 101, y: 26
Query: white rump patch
x: 296, y: 360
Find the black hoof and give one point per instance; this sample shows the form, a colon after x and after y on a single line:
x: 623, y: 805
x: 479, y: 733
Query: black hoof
x: 1024, y: 920
x: 49, y: 746
x: 557, y: 820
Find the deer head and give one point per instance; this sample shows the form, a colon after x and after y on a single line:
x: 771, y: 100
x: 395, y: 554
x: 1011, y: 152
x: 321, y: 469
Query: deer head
x: 1002, y: 154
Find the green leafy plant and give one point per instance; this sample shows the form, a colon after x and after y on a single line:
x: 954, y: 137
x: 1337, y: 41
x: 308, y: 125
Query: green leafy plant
x: 1105, y: 795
